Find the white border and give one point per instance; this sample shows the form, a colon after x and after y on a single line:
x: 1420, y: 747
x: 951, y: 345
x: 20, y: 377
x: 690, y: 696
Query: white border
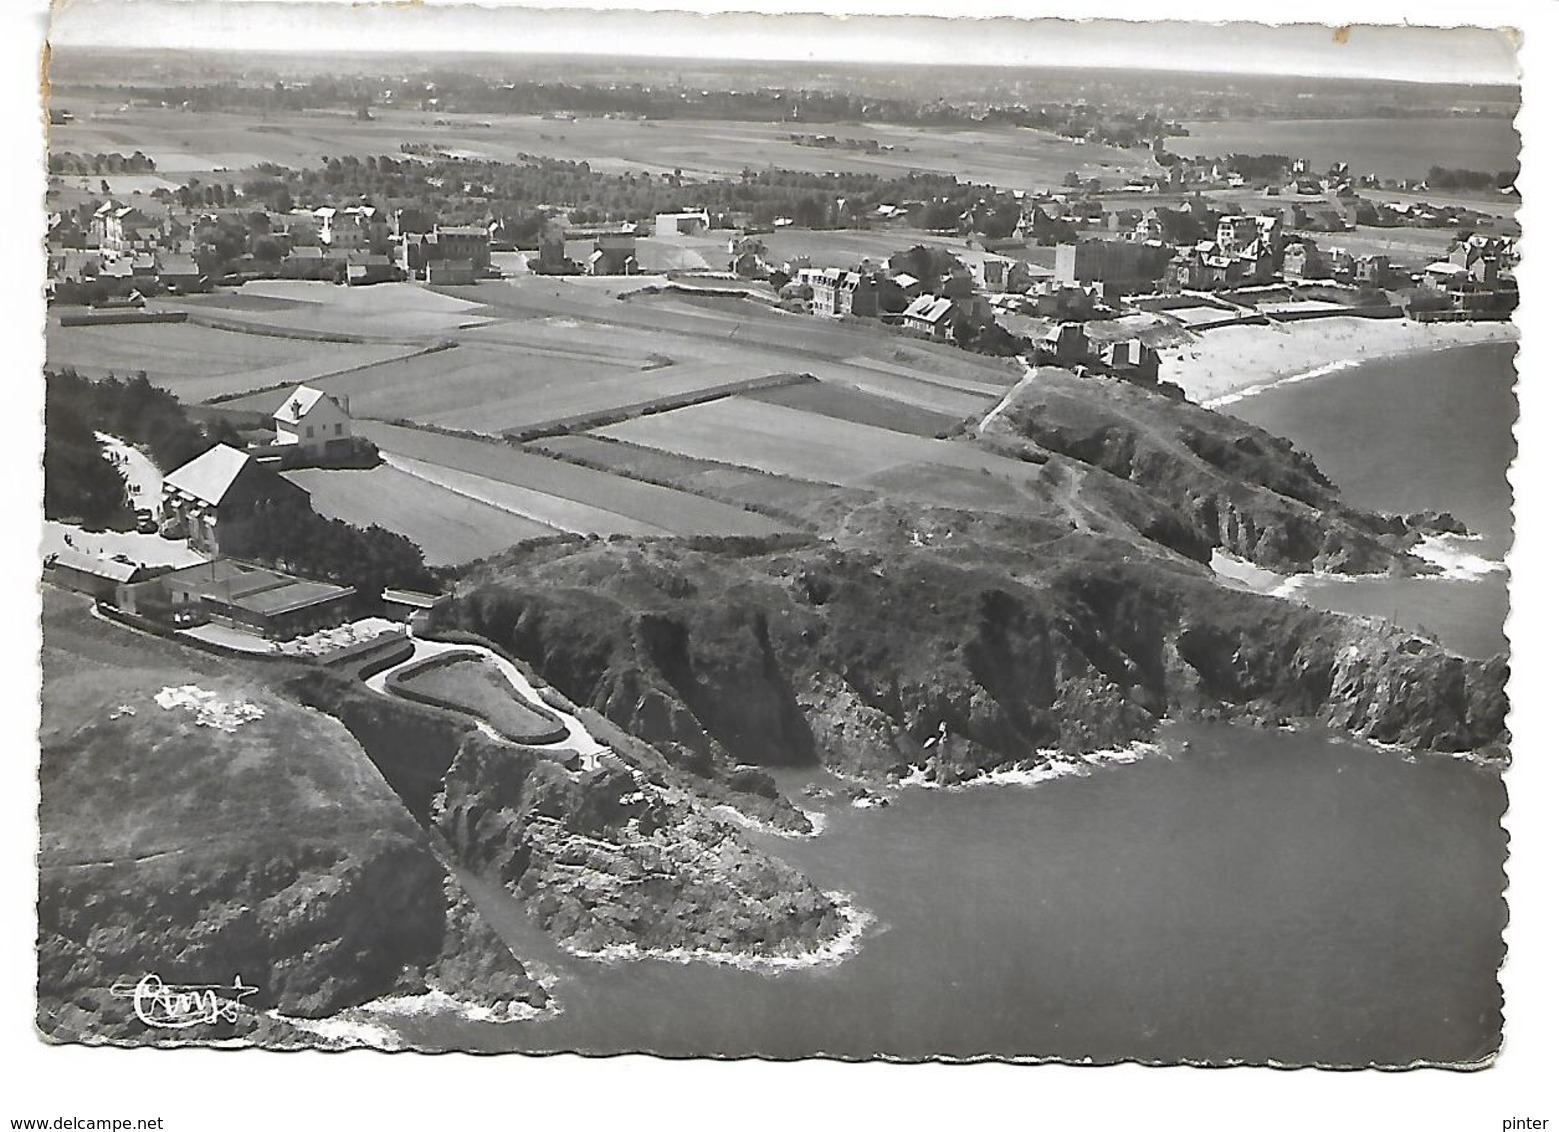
x: 203, y: 1089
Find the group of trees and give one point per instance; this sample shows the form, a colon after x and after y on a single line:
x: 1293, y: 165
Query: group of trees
x: 80, y: 483
x: 97, y: 164
x: 1442, y: 178
x: 137, y: 412
x: 444, y: 91
x: 302, y: 542
x: 474, y: 191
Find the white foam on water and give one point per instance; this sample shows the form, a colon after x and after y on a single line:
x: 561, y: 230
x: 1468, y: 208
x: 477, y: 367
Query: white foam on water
x: 1293, y: 379
x: 1455, y: 562
x: 733, y: 816
x: 1057, y: 765
x: 343, y: 1031
x: 844, y: 944
x: 437, y: 1003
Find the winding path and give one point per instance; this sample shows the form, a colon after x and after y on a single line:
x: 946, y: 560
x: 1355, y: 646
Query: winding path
x: 579, y: 740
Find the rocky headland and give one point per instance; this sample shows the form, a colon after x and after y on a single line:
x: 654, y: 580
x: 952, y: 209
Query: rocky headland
x: 1078, y: 619
x: 200, y: 829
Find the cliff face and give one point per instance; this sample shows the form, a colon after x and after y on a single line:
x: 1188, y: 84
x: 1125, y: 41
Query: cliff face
x: 1232, y: 484
x: 607, y: 859
x: 856, y: 654
x: 201, y: 829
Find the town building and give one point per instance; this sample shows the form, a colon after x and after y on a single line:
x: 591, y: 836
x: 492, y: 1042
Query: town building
x: 615, y: 254
x: 1006, y: 276
x: 219, y: 489
x: 1372, y: 270
x: 314, y: 421
x: 1130, y: 359
x: 930, y: 316
x: 245, y: 597
x: 452, y: 255
x: 669, y: 224
x: 402, y: 605
x: 366, y: 268
x: 90, y: 574
x: 1301, y: 260
x: 1067, y: 342
x: 1116, y: 263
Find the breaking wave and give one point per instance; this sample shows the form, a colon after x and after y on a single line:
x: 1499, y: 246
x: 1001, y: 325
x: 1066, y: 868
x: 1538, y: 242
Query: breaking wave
x: 843, y: 945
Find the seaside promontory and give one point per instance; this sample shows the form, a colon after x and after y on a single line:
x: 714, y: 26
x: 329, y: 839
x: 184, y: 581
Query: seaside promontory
x: 1078, y: 625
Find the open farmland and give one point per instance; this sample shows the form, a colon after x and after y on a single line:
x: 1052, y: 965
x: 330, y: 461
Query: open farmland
x: 494, y: 391
x: 449, y: 528
x: 744, y: 487
x: 197, y: 363
x: 804, y: 445
x: 845, y: 404
x: 563, y: 495
x: 551, y: 510
x: 396, y: 312
x: 183, y: 141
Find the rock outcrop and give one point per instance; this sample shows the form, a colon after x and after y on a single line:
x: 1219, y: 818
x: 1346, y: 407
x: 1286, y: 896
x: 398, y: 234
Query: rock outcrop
x: 201, y: 830
x: 1231, y: 484
x: 856, y: 657
x: 607, y: 860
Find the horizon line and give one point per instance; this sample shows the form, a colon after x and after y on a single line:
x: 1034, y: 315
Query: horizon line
x: 1387, y: 53
x: 652, y: 57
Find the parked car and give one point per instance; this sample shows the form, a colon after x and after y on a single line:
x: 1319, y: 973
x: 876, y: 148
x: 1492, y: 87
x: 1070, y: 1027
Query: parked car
x: 145, y: 523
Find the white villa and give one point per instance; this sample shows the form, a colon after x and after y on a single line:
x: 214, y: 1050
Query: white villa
x: 312, y: 419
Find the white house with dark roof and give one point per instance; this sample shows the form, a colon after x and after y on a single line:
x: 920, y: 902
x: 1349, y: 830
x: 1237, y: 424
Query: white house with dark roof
x: 931, y: 316
x: 312, y: 419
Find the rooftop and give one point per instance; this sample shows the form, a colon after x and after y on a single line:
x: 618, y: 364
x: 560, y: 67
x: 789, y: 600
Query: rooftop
x: 209, y: 476
x: 110, y: 568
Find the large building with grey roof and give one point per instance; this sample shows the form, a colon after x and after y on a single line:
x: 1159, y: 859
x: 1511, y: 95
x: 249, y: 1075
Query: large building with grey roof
x: 219, y: 489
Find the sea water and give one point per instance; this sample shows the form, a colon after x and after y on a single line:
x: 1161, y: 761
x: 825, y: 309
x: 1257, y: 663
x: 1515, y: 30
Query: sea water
x: 1235, y: 895
x: 1426, y: 431
x: 1395, y: 148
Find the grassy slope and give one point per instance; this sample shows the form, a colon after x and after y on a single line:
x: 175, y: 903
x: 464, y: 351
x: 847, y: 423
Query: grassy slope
x: 275, y: 851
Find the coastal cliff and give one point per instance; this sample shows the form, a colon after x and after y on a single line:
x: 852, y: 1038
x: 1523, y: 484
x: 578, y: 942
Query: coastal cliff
x: 608, y: 861
x: 1017, y: 635
x: 1230, y: 484
x: 198, y: 829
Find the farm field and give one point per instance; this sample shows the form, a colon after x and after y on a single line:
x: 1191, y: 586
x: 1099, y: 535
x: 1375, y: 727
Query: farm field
x: 803, y: 445
x: 574, y: 491
x: 910, y: 390
x: 561, y: 514
x: 391, y: 311
x: 493, y: 391
x: 844, y: 404
x: 198, y: 362
x: 450, y: 529
x: 183, y: 142
x: 740, y: 486
x: 846, y: 247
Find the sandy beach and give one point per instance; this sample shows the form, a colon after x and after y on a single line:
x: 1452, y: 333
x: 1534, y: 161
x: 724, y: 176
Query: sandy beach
x: 1231, y: 362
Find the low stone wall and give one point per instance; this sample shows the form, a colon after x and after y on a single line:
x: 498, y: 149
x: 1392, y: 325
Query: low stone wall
x: 396, y: 685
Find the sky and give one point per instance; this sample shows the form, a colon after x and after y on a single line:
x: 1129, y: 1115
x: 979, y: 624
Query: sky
x: 1474, y: 55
